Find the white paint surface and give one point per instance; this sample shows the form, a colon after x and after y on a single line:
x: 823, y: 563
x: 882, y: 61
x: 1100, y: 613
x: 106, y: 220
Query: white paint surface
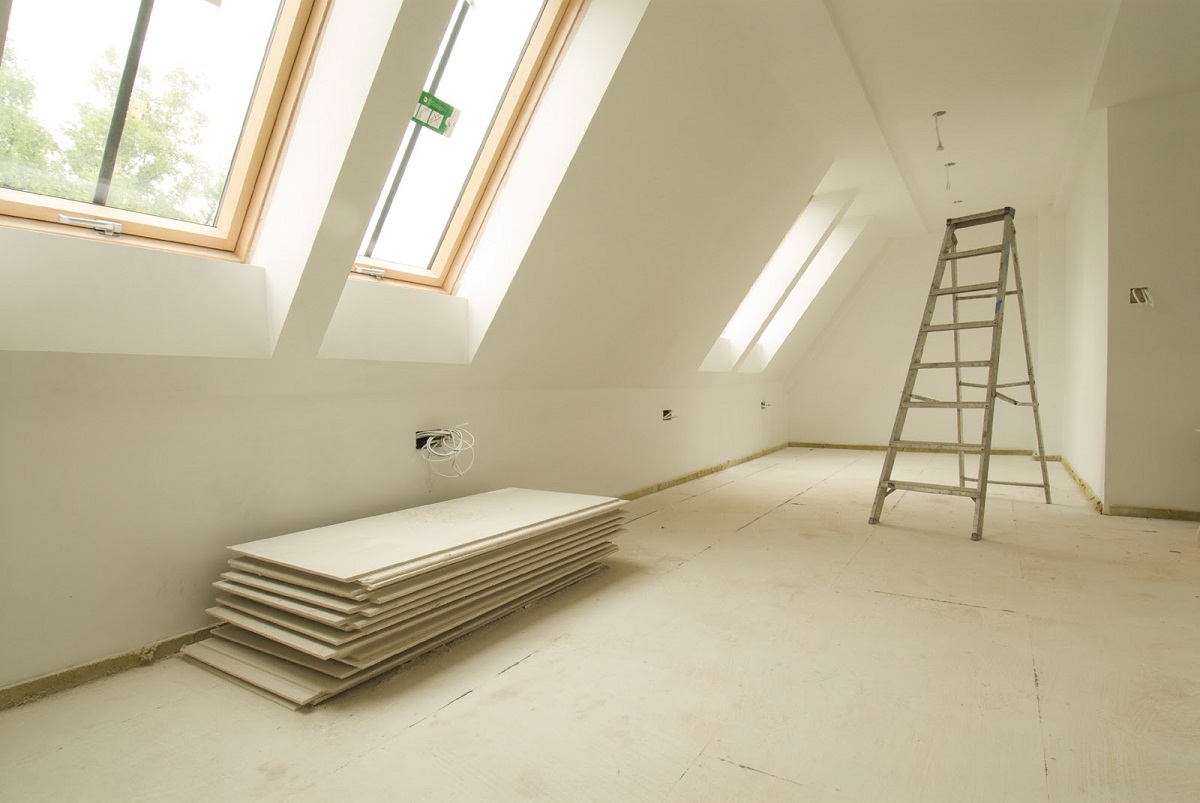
x: 1085, y: 314
x: 1153, y: 454
x: 394, y: 323
x: 61, y: 293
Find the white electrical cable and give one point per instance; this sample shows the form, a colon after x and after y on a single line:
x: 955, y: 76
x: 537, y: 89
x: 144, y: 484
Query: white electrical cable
x: 448, y: 446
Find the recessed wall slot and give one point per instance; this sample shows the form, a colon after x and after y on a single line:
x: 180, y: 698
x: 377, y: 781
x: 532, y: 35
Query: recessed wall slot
x: 1140, y: 295
x: 668, y: 415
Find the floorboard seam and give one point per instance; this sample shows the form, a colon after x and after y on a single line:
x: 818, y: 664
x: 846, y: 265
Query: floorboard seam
x: 764, y: 772
x: 517, y: 663
x: 1037, y: 693
x: 944, y: 601
x: 688, y: 767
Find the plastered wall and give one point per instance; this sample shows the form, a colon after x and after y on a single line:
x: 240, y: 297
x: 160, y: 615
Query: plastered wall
x: 1153, y: 453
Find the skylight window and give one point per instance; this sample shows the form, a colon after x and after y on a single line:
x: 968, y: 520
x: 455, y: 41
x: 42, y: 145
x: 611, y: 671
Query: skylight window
x: 770, y: 302
x: 810, y: 283
x: 494, y: 57
x: 123, y: 113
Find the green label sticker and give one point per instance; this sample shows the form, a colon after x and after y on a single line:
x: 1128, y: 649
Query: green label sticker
x: 435, y: 114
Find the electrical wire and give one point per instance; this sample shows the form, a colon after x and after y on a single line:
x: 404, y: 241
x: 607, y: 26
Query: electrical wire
x: 444, y: 446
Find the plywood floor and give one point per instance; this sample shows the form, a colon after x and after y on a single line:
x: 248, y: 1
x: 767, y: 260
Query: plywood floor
x: 754, y: 639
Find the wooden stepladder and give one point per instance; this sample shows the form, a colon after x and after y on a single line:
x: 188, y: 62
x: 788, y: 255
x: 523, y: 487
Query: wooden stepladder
x: 971, y: 487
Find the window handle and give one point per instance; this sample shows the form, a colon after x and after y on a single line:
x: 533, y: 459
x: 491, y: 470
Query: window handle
x: 109, y: 227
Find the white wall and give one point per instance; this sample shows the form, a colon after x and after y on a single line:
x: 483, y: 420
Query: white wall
x: 1048, y: 346
x: 1153, y: 457
x: 122, y: 479
x: 846, y: 386
x: 1085, y: 311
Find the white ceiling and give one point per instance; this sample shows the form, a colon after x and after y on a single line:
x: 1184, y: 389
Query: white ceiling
x: 1016, y: 78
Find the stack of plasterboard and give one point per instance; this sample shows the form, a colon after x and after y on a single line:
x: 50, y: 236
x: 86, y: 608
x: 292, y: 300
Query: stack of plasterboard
x: 308, y: 615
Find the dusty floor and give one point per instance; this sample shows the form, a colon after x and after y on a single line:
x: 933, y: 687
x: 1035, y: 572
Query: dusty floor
x: 755, y: 640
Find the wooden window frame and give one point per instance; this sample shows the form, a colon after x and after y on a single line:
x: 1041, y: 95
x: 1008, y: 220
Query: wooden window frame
x: 268, y: 120
x: 532, y: 74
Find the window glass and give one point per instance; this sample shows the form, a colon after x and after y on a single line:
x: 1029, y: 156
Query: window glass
x: 47, y: 76
x: 197, y: 67
x: 472, y: 73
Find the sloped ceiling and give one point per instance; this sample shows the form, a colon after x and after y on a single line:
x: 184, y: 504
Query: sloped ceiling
x: 689, y: 175
x: 1015, y: 79
x: 724, y: 113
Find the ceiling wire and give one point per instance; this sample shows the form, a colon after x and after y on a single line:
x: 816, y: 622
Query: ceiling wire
x: 937, y: 129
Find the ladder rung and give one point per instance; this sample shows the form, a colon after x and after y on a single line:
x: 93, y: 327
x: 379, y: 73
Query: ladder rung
x: 938, y: 446
x: 966, y: 288
x: 964, y: 405
x: 973, y: 252
x: 930, y: 488
x: 971, y: 385
x: 1021, y: 484
x: 980, y: 219
x: 981, y: 295
x: 957, y: 364
x: 1013, y: 401
x: 1013, y: 384
x: 950, y: 327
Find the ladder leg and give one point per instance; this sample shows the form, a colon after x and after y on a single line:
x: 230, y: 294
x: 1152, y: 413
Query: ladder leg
x: 985, y: 456
x: 889, y: 460
x: 958, y: 388
x: 1037, y: 416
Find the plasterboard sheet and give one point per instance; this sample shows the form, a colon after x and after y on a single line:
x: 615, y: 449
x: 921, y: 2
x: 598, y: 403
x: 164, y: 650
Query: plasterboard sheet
x: 293, y: 591
x: 355, y: 592
x: 287, y: 680
x: 564, y: 524
x: 445, y: 637
x: 295, y: 606
x: 440, y: 600
x: 349, y: 550
x: 349, y: 591
x: 552, y: 540
x: 253, y: 624
x: 378, y: 646
x: 375, y: 646
x: 260, y: 691
x: 405, y: 620
x: 484, y: 577
x: 296, y: 686
x: 430, y: 591
x: 333, y: 668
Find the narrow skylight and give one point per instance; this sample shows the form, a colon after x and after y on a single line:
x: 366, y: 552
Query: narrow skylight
x: 798, y: 301
x: 789, y: 262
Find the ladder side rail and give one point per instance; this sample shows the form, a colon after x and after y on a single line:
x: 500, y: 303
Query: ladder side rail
x: 993, y: 374
x: 1037, y: 415
x: 958, y: 388
x: 889, y: 459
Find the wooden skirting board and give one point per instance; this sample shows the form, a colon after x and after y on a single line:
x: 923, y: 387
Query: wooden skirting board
x: 873, y: 448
